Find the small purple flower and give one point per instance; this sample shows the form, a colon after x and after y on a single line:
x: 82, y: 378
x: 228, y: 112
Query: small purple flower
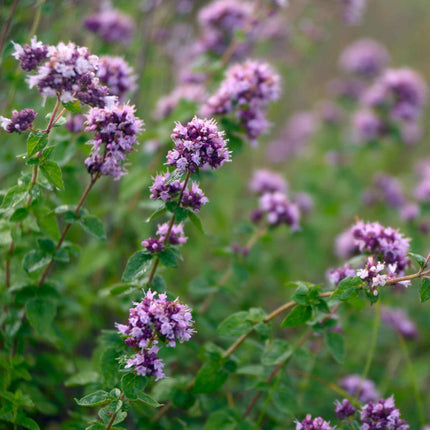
x: 409, y: 211
x: 69, y: 72
x: 147, y: 363
x: 153, y: 244
x: 189, y: 92
x: 219, y: 20
x: 266, y: 181
x: 330, y: 112
x: 116, y: 129
x: 365, y: 58
x: 365, y: 388
x: 32, y: 55
x: 193, y: 198
x: 111, y: 25
x: 345, y: 245
x: 117, y: 75
x: 384, y: 242
x: 199, y: 144
x: 382, y: 415
x: 176, y: 235
x: 372, y: 274
x: 402, y: 91
x: 152, y: 323
x: 344, y: 409
x: 366, y: 126
x: 75, y: 123
x: 340, y: 273
x: 19, y: 122
x: 400, y: 322
x: 353, y: 10
x: 164, y: 189
x: 305, y: 202
x: 313, y: 424
x: 279, y: 210
x: 246, y: 90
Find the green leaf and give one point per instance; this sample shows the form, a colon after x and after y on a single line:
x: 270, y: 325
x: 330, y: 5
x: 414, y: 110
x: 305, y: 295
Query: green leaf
x: 35, y: 260
x: 19, y: 215
x: 157, y: 214
x: 418, y: 258
x: 92, y: 225
x: 13, y: 197
x: 276, y: 352
x: 167, y: 258
x: 235, y: 325
x: 196, y: 221
x: 133, y: 385
x: 347, y: 288
x: 425, y: 290
x: 148, y: 400
x: 48, y: 224
x: 74, y: 107
x: 97, y: 398
x: 210, y: 378
x: 52, y: 172
x: 36, y: 142
x: 335, y: 345
x: 298, y: 316
x: 40, y: 314
x: 136, y: 266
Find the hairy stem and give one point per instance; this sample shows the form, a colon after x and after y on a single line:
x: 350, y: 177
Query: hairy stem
x: 112, y: 418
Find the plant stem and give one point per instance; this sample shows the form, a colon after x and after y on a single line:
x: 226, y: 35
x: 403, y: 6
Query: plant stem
x: 68, y: 226
x: 371, y: 352
x: 35, y: 172
x: 7, y: 25
x: 112, y: 418
x: 413, y: 380
x: 169, y: 229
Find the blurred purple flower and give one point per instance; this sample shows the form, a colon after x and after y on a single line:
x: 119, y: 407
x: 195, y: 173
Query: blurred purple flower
x: 400, y: 322
x: 365, y: 388
x: 19, y: 122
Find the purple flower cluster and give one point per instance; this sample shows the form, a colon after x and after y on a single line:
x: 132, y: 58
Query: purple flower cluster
x: 279, y: 210
x: 218, y: 22
x: 364, y: 389
x: 345, y: 245
x: 111, y: 25
x: 313, y: 424
x: 365, y: 58
x: 353, y: 10
x: 153, y: 322
x: 387, y: 190
x: 344, y: 409
x: 292, y: 141
x: 117, y: 75
x: 69, y: 72
x: 190, y: 92
x: 246, y: 91
x: 340, y: 273
x: 372, y: 274
x: 266, y: 181
x: 366, y: 126
x: 75, y: 123
x: 402, y: 92
x: 19, y: 122
x: 165, y: 190
x: 116, y: 130
x: 176, y: 237
x: 382, y: 415
x: 385, y: 243
x: 198, y: 144
x: 422, y: 190
x: 30, y: 56
x: 400, y: 322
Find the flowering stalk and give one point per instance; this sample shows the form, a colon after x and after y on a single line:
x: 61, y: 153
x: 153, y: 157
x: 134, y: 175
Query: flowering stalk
x: 278, y: 311
x: 169, y: 229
